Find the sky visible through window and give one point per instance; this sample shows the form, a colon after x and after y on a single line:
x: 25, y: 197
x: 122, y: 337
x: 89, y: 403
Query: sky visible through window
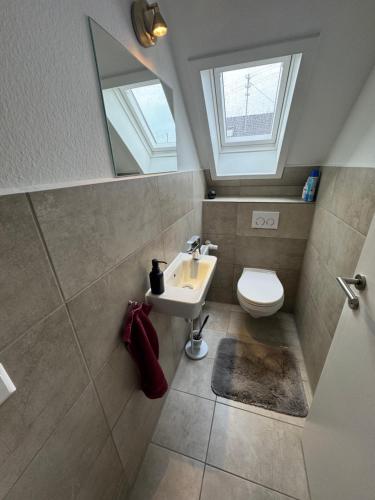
x: 250, y: 99
x: 156, y: 112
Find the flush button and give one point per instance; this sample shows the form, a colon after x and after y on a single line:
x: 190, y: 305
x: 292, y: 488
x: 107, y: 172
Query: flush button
x: 265, y: 220
x: 6, y: 385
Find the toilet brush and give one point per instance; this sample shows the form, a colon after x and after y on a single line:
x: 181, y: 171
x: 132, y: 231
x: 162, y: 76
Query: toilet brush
x: 198, y: 335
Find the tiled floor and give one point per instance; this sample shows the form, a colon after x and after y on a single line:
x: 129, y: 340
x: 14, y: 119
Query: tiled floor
x: 210, y: 448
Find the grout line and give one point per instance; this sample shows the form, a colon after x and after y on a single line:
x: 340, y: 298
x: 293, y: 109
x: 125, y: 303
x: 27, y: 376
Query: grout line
x: 58, y: 422
x: 252, y: 481
x: 202, y: 481
x: 322, y: 207
x: 305, y: 468
x: 209, y: 435
x: 222, y: 470
x: 123, y: 260
x: 75, y: 335
x: 264, y: 416
x: 91, y: 378
x: 45, y: 246
x: 177, y: 452
x: 191, y: 394
x: 34, y: 325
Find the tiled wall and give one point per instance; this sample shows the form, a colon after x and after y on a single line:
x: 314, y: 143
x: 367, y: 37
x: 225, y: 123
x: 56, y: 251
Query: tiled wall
x: 70, y: 259
x: 344, y: 209
x: 290, y: 184
x: 228, y: 224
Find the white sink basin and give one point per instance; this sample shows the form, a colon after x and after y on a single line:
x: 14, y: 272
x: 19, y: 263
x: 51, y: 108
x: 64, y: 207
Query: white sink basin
x: 186, y: 284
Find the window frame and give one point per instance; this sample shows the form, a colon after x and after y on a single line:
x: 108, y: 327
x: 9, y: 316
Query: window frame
x: 218, y: 93
x: 139, y: 121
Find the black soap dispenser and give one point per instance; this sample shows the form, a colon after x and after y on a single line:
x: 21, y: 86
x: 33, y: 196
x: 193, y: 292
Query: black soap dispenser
x: 157, y: 277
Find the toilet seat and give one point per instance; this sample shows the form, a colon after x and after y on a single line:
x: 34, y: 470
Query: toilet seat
x: 260, y: 288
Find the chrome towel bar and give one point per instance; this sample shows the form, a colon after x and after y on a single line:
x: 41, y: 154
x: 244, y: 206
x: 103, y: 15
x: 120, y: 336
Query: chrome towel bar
x: 359, y: 281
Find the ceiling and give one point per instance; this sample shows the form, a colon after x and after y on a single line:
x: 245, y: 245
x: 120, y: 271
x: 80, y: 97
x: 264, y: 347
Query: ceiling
x: 346, y: 54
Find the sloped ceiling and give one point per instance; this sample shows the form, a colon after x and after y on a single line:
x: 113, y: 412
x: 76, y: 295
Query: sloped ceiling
x: 346, y: 53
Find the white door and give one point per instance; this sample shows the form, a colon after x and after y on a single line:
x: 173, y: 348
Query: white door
x: 339, y: 437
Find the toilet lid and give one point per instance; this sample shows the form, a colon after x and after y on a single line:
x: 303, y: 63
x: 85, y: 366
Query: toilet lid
x: 260, y: 286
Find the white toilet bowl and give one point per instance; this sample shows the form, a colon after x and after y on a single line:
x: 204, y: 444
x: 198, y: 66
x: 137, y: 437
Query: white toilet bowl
x: 260, y: 292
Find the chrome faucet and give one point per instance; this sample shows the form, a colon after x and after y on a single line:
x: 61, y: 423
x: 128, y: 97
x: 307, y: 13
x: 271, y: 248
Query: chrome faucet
x: 194, y: 247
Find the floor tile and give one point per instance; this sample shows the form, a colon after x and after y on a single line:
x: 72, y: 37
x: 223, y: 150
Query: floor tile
x: 260, y: 449
x: 166, y: 475
x: 184, y: 425
x: 194, y: 377
x: 219, y: 316
x: 212, y: 337
x: 219, y: 485
x: 289, y: 419
x: 279, y: 329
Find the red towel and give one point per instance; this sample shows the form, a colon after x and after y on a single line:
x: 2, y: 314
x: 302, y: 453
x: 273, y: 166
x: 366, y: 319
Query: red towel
x: 141, y: 341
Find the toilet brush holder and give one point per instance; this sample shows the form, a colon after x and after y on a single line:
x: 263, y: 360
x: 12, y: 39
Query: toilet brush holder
x: 196, y: 348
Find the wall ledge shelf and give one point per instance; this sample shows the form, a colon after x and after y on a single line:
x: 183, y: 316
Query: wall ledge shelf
x: 258, y: 199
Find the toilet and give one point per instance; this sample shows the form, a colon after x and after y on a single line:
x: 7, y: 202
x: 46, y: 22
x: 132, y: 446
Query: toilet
x: 260, y: 292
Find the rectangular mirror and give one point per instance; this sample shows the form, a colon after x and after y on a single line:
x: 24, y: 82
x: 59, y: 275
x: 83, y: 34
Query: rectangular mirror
x: 138, y: 108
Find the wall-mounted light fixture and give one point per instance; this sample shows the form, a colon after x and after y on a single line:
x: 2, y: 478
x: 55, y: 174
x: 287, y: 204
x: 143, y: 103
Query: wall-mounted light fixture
x: 148, y: 23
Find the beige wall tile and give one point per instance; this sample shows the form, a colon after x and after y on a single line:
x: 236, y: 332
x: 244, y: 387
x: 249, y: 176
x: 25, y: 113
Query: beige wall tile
x: 98, y: 312
x: 48, y: 371
x: 168, y: 356
x: 176, y: 236
x: 270, y: 191
x: 326, y: 187
x: 315, y: 339
x: 176, y: 192
x: 224, y: 295
x: 199, y: 186
x: 223, y: 276
x: 219, y: 217
x: 105, y: 477
x: 64, y: 462
x: 134, y: 429
x: 353, y: 199
x: 227, y: 190
x: 339, y: 245
x: 28, y: 291
x: 101, y: 239
x: 294, y: 220
x: 327, y: 295
x: 89, y: 229
x: 289, y: 280
x: 270, y: 253
x: 116, y: 382
x: 226, y: 244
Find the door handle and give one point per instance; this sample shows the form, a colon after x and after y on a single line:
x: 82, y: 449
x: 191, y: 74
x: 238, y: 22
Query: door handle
x: 359, y: 281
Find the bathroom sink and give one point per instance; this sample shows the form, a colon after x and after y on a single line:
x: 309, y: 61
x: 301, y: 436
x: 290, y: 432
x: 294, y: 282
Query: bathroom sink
x: 186, y: 284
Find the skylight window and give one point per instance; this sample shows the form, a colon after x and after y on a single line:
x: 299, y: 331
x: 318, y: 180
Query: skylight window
x: 247, y: 109
x: 151, y: 110
x: 249, y: 101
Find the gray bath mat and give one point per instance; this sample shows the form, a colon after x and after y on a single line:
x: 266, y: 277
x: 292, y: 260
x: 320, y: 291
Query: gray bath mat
x: 260, y: 375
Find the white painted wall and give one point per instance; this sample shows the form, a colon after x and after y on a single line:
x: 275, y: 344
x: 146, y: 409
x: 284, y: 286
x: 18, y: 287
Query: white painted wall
x: 355, y: 145
x: 52, y: 129
x: 345, y: 55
